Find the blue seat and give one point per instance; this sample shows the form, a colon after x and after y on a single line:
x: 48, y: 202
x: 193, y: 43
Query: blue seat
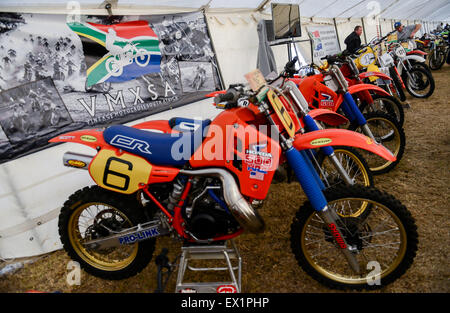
x: 187, y: 124
x: 160, y: 148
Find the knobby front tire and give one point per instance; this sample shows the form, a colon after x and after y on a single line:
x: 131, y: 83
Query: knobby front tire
x: 388, y: 235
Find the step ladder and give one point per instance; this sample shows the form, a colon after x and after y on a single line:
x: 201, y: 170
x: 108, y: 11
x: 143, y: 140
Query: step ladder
x: 210, y: 252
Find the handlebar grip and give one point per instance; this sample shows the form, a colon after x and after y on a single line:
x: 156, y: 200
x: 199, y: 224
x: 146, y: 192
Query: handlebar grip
x: 231, y: 96
x: 224, y: 97
x: 292, y: 62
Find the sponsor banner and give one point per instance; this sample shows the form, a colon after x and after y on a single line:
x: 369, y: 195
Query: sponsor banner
x: 325, y: 41
x: 58, y: 75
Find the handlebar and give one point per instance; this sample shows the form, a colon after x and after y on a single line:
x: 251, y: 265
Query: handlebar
x: 230, y: 98
x: 360, y: 50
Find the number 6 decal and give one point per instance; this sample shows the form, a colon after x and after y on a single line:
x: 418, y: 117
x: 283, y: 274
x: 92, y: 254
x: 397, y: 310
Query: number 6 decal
x: 115, y: 182
x: 121, y: 173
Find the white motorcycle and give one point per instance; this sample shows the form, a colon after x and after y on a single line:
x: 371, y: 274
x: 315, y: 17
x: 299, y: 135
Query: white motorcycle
x: 418, y: 81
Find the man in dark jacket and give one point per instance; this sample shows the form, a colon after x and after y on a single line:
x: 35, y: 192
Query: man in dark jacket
x: 353, y: 41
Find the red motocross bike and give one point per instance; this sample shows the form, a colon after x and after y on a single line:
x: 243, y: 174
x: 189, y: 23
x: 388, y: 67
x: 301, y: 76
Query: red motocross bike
x: 201, y: 181
x: 329, y: 89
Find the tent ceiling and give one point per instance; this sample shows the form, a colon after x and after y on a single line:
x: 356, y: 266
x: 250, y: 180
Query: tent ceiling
x: 434, y: 10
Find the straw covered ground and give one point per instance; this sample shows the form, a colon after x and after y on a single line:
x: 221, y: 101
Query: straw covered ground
x: 420, y: 182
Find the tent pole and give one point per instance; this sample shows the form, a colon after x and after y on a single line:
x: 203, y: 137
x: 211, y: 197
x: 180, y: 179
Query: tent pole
x: 262, y: 5
x: 337, y: 35
x: 364, y: 30
x: 222, y: 82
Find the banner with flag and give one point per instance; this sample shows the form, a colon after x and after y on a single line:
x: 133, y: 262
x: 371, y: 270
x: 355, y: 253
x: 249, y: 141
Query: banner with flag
x: 133, y: 50
x: 58, y: 75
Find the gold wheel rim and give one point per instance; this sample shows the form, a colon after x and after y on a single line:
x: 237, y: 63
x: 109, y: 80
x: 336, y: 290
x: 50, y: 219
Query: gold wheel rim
x: 355, y: 280
x: 365, y: 176
x: 397, y: 142
x: 90, y: 256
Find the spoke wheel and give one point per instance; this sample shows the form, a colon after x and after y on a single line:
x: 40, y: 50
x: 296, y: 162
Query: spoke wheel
x: 390, y: 134
x: 352, y: 161
x: 93, y: 213
x: 419, y: 82
x: 389, y: 105
x: 387, y: 235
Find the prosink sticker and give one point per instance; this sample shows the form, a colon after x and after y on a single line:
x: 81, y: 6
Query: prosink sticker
x: 320, y: 141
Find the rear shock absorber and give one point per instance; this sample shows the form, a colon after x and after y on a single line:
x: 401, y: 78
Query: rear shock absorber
x: 177, y: 191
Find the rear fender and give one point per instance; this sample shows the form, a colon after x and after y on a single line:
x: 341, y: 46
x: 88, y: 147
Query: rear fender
x: 340, y: 137
x: 327, y: 116
x: 89, y: 137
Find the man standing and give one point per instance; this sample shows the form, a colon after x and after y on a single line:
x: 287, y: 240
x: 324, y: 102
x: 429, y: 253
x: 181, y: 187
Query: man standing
x: 406, y: 32
x: 353, y: 41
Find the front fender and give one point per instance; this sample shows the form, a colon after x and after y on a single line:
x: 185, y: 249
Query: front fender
x: 340, y: 137
x: 414, y: 57
x: 327, y: 116
x: 416, y: 52
x: 376, y: 74
x: 367, y: 87
x: 400, y: 64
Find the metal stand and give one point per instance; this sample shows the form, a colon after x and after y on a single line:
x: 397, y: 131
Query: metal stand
x: 210, y: 252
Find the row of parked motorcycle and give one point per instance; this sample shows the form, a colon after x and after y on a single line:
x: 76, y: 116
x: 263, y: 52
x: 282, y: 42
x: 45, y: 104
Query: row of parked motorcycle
x: 330, y: 129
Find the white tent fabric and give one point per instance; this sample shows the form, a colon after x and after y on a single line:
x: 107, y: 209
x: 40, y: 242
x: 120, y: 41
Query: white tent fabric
x: 434, y: 10
x: 33, y: 187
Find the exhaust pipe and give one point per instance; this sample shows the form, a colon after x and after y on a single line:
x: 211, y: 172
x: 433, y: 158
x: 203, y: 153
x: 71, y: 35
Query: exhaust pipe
x: 246, y: 216
x: 77, y: 160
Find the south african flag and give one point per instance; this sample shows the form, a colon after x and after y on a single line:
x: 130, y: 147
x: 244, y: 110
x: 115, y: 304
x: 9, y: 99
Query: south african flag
x: 132, y: 50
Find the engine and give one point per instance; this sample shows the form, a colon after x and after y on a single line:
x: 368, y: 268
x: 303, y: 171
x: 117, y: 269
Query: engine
x: 206, y: 213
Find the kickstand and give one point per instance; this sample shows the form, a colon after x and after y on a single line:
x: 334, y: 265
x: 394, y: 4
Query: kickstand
x: 165, y: 268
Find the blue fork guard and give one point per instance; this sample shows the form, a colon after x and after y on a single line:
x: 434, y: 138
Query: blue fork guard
x: 310, y: 126
x: 307, y: 156
x: 351, y: 109
x: 306, y: 178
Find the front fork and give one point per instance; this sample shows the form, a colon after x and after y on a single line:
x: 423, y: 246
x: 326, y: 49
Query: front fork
x: 312, y: 189
x: 354, y: 113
